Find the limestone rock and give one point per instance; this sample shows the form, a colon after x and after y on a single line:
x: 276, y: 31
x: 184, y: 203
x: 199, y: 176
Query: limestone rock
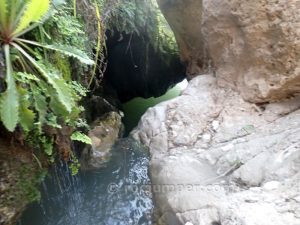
x: 246, y: 172
x: 262, y: 38
x: 104, y: 133
x: 252, y: 46
x: 184, y: 17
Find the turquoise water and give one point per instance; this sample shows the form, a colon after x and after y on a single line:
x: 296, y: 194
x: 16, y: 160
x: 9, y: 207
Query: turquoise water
x: 134, y: 109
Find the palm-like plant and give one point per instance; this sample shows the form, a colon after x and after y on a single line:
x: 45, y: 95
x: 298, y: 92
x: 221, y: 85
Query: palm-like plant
x: 28, y: 80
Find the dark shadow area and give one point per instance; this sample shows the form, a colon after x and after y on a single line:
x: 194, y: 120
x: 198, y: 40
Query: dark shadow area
x: 136, y: 69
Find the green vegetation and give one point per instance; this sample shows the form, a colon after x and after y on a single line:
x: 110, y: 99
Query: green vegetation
x: 50, y: 54
x: 20, y: 180
x: 142, y: 17
x: 78, y: 136
x: 39, y: 90
x: 29, y: 183
x: 30, y: 78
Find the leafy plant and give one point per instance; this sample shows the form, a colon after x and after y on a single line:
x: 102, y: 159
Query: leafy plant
x: 33, y: 85
x: 78, y: 136
x: 74, y: 165
x: 143, y: 18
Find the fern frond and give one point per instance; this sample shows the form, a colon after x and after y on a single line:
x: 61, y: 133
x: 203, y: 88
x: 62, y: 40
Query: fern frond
x: 35, y: 10
x: 71, y: 52
x: 78, y: 136
x: 27, y: 116
x: 9, y: 104
x: 40, y: 104
x: 61, y: 88
x: 64, y: 49
x: 26, y: 78
x: 64, y: 93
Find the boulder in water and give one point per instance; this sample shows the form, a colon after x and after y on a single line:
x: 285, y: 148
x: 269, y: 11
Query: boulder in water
x: 104, y: 133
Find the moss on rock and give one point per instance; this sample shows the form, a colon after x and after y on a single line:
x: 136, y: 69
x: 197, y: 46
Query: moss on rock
x: 20, y: 176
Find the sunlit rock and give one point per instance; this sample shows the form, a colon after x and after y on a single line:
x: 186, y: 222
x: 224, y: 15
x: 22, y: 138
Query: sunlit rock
x: 246, y: 172
x: 252, y: 46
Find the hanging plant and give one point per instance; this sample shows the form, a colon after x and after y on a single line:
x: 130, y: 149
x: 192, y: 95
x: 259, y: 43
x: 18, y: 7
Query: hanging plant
x: 29, y: 79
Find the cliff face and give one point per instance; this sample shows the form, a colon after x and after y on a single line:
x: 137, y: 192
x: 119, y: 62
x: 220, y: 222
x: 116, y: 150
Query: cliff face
x: 227, y: 150
x: 251, y: 46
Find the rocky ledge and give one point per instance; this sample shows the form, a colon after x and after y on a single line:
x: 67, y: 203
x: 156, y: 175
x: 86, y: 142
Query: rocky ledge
x: 217, y: 159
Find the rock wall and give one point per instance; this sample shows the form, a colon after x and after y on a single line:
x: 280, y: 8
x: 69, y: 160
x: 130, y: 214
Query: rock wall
x: 20, y: 177
x: 252, y: 46
x: 216, y: 159
x: 227, y: 151
x: 184, y: 18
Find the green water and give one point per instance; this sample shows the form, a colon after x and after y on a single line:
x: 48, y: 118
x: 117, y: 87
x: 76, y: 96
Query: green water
x: 134, y: 109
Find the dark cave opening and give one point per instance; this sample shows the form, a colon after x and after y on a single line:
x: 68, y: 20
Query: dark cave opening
x: 137, y: 69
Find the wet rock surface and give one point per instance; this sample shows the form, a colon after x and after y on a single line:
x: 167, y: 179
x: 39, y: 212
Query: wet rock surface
x: 220, y: 160
x: 19, y: 179
x: 104, y: 132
